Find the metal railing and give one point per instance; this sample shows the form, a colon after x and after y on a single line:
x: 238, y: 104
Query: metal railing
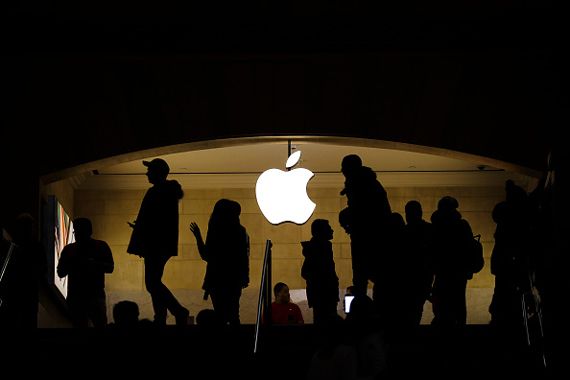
x: 264, y: 300
x: 532, y: 318
x: 5, y: 264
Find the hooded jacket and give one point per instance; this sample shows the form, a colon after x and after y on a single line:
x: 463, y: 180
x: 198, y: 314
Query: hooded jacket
x: 319, y: 272
x: 156, y: 228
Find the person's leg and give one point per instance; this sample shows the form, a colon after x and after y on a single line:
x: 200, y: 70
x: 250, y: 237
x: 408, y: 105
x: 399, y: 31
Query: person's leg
x: 153, y: 271
x: 220, y: 305
x: 78, y: 312
x: 461, y: 302
x: 226, y: 304
x: 359, y: 267
x: 162, y: 298
x: 233, y: 306
x: 97, y: 310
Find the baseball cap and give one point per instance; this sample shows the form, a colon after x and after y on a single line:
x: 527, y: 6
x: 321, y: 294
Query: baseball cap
x: 158, y: 165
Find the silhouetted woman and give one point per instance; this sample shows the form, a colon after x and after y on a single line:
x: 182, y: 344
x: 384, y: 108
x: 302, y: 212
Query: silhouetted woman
x: 226, y: 252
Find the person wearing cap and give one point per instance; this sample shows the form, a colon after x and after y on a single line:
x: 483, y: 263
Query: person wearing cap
x: 155, y: 239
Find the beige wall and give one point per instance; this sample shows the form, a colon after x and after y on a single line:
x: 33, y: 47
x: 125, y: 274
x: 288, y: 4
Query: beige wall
x: 110, y: 211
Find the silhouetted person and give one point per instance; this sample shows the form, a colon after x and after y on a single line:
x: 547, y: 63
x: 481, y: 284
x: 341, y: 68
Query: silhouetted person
x: 510, y: 257
x: 85, y: 262
x: 226, y: 251
x: 452, y: 237
x: 283, y: 311
x: 345, y: 220
x: 215, y: 347
x: 155, y: 239
x: 126, y: 314
x: 319, y: 272
x: 335, y: 356
x: 367, y: 337
x: 390, y: 288
x: 348, y: 297
x: 366, y: 217
x: 24, y: 275
x: 550, y: 260
x: 418, y: 279
x: 208, y: 318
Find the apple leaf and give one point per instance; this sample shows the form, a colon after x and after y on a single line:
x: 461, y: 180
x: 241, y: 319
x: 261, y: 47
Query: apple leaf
x: 293, y: 159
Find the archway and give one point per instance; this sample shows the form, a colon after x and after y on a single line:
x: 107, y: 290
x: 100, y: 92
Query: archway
x: 109, y: 192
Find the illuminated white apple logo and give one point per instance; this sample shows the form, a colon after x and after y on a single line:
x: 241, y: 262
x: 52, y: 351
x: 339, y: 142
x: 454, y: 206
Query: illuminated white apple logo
x: 282, y: 195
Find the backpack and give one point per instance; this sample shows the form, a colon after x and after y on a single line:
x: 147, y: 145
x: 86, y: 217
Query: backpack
x: 475, y: 261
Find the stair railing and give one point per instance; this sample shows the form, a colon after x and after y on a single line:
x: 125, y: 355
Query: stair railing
x: 264, y: 300
x: 5, y: 264
x: 532, y: 312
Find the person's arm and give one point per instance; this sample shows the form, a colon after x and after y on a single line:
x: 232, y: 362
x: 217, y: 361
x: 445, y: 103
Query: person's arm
x: 246, y: 261
x: 63, y: 264
x: 299, y: 315
x: 199, y: 241
x: 108, y: 264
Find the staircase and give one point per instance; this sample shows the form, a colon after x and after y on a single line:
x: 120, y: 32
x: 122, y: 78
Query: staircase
x: 474, y: 352
x: 284, y: 352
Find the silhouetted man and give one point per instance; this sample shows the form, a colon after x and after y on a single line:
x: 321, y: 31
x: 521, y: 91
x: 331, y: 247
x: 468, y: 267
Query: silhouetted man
x: 155, y: 239
x: 452, y: 238
x: 419, y: 267
x: 366, y: 217
x: 85, y: 262
x: 319, y: 272
x: 24, y: 274
x: 510, y: 257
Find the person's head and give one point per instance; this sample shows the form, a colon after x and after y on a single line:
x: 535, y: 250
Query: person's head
x: 82, y: 228
x: 447, y: 203
x: 350, y: 164
x: 226, y: 211
x: 23, y: 228
x: 208, y: 318
x: 321, y: 229
x: 126, y: 313
x: 397, y: 220
x: 513, y: 192
x: 234, y: 209
x: 413, y: 211
x: 281, y: 292
x: 362, y: 308
x: 157, y: 170
x: 344, y: 219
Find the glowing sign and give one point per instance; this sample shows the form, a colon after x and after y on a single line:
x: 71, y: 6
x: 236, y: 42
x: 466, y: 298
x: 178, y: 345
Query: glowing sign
x: 282, y: 195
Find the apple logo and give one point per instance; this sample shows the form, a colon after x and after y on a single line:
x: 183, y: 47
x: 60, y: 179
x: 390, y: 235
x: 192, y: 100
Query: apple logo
x: 282, y: 195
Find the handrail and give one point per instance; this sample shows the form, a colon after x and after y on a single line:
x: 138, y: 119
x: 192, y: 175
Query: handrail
x: 264, y: 294
x: 533, y: 310
x: 6, y: 261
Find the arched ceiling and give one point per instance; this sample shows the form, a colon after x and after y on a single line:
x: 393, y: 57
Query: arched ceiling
x: 240, y: 165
